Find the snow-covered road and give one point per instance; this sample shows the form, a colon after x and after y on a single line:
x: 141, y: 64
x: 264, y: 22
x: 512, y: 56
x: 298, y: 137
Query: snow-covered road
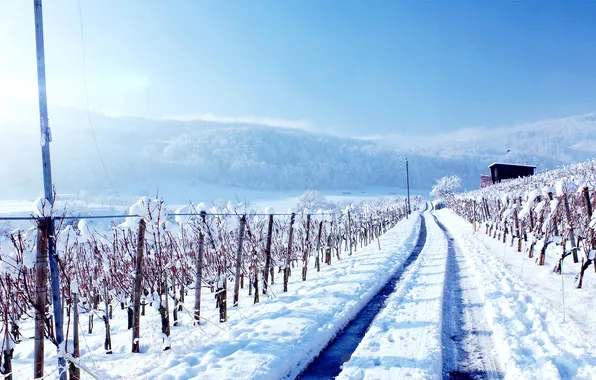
x: 468, y: 348
x: 404, y: 341
x: 329, y: 362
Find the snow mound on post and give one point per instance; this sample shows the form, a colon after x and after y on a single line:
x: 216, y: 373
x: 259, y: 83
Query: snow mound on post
x: 564, y: 187
x: 183, y: 219
x: 42, y: 207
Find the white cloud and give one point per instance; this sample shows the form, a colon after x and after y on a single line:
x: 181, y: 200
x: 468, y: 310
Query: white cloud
x: 253, y: 120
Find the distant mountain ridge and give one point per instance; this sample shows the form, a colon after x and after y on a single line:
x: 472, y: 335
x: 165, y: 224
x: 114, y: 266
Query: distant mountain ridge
x: 140, y: 154
x: 546, y: 144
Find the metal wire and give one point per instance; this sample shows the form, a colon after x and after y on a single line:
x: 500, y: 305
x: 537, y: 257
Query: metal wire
x: 139, y: 216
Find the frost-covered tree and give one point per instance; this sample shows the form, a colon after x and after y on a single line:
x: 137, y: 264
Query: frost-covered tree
x: 445, y: 186
x: 312, y: 200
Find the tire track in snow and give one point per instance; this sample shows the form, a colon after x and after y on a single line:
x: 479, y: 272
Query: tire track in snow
x: 329, y: 362
x: 468, y: 348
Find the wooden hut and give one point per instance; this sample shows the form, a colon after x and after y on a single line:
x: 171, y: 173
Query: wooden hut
x: 500, y: 171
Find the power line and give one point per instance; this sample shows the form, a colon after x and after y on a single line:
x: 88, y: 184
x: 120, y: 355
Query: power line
x: 103, y: 164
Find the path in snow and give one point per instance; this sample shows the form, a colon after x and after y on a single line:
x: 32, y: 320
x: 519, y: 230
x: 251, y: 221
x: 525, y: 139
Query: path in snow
x: 404, y: 340
x: 468, y: 348
x: 329, y: 362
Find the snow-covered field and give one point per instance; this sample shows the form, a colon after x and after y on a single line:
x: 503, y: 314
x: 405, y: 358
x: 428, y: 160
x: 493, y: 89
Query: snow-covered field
x: 273, y: 339
x: 467, y: 306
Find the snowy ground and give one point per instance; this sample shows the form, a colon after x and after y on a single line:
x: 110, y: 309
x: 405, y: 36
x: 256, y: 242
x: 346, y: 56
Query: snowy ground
x: 532, y: 340
x: 468, y: 347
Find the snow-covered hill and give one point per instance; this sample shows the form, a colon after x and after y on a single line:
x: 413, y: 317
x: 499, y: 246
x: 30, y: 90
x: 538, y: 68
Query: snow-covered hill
x: 546, y: 144
x: 141, y: 154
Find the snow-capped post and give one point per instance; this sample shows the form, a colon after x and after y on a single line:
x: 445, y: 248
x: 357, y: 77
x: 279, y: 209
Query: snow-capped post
x: 487, y: 211
x: 6, y: 359
x: 108, y: 338
x: 41, y: 281
x: 239, y: 260
x: 318, y: 260
x: 569, y: 222
x: 498, y: 219
x: 350, y: 231
x: 306, y: 252
x: 517, y: 227
x: 74, y: 371
x: 199, y: 268
x: 289, y: 254
x: 164, y: 312
x: 379, y: 239
x: 474, y: 211
x: 585, y: 260
x: 409, y: 209
x: 268, y: 254
x: 586, y: 195
x: 137, y: 292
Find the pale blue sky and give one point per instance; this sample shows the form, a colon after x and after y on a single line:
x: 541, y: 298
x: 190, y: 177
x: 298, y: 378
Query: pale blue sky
x: 352, y: 67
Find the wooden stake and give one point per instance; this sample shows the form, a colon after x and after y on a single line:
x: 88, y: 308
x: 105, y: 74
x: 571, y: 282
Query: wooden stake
x: 307, y: 249
x: 239, y: 260
x: 289, y: 254
x: 41, y: 283
x: 199, y: 269
x: 137, y: 291
x: 75, y: 372
x: 268, y: 256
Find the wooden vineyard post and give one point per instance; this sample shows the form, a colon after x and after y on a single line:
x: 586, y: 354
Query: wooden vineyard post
x: 41, y: 283
x: 504, y: 231
x: 289, y: 254
x: 137, y: 292
x: 306, y: 252
x: 585, y: 261
x: 487, y: 212
x: 74, y: 371
x: 350, y: 231
x: 328, y: 248
x: 108, y: 338
x: 268, y: 255
x: 318, y: 260
x: 239, y: 260
x: 255, y: 280
x: 222, y: 296
x: 164, y: 311
x: 498, y: 218
x: 6, y: 358
x: 571, y: 232
x: 199, y: 269
x: 474, y: 212
x: 517, y: 229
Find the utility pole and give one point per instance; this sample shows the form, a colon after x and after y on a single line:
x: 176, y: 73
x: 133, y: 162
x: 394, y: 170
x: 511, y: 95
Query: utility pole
x: 46, y: 138
x: 408, y: 185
